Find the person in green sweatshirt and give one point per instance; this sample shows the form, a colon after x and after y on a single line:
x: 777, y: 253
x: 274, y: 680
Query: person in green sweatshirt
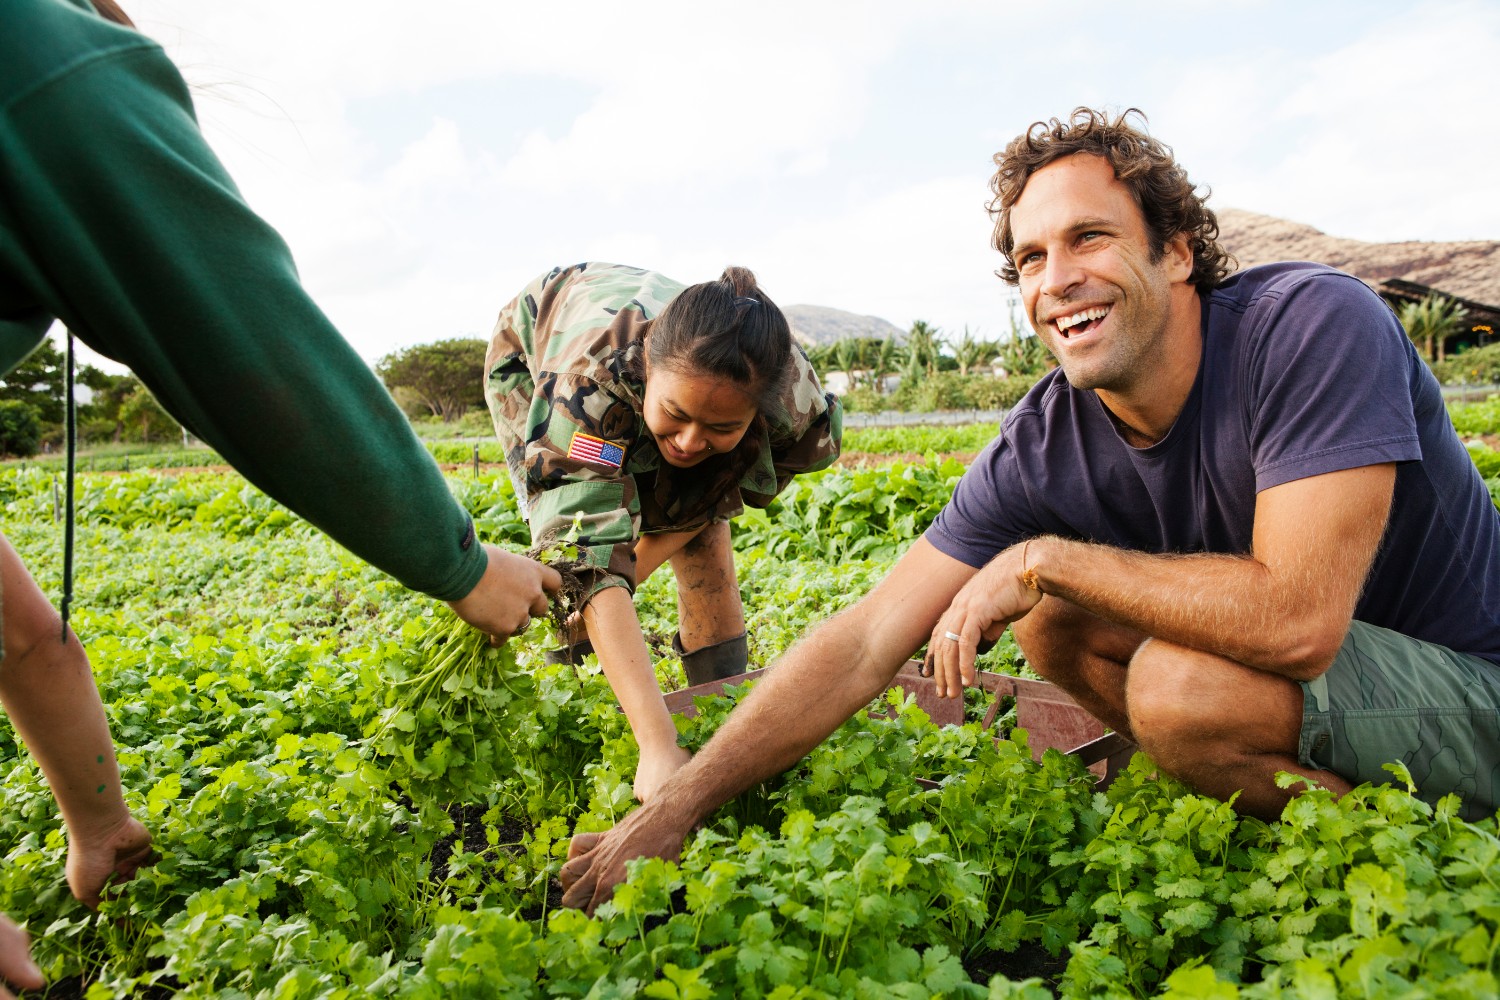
x: 118, y: 221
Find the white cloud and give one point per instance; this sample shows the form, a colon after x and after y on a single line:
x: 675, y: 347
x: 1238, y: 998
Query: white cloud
x: 425, y: 161
x: 1384, y: 136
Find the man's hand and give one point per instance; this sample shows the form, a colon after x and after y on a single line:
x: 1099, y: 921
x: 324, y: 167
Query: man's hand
x: 596, y: 861
x: 996, y: 596
x: 16, y: 966
x: 512, y: 591
x: 109, y: 858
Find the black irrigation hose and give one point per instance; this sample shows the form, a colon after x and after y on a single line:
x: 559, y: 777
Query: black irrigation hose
x: 71, y: 419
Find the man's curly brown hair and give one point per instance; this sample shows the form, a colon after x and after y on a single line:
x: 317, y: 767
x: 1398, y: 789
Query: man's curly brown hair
x: 1160, y: 186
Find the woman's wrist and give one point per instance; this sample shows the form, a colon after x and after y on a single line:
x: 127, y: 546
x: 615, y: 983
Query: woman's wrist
x: 100, y: 821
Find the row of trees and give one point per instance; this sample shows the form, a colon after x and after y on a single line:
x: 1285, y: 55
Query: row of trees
x: 1430, y: 322
x: 440, y: 379
x: 924, y: 353
x: 935, y: 372
x: 113, y: 408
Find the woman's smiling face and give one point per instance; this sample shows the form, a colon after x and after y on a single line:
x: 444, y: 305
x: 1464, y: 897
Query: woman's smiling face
x: 692, y: 415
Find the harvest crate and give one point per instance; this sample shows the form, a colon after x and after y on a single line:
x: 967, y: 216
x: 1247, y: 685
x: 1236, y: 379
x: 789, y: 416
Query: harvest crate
x: 1050, y: 717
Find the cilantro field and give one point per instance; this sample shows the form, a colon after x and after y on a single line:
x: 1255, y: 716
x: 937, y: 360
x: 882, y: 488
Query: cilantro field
x: 331, y: 824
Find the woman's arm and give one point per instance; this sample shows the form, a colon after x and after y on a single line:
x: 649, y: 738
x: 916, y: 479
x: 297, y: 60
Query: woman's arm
x: 652, y: 550
x: 48, y: 692
x: 615, y: 632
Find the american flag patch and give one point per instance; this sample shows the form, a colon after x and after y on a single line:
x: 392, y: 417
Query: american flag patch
x: 587, y: 448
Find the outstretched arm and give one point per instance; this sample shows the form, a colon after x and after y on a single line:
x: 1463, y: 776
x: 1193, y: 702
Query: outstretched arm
x: 48, y: 692
x: 822, y: 681
x: 1283, y: 608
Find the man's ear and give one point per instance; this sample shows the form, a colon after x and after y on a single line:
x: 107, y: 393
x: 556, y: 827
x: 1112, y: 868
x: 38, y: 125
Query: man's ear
x: 1179, y: 258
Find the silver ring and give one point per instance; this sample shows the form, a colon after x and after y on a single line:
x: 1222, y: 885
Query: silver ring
x: 954, y: 636
x: 525, y: 624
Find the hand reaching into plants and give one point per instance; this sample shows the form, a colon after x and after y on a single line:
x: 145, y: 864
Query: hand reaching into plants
x: 96, y: 862
x: 512, y: 591
x: 16, y: 966
x: 596, y: 861
x: 656, y: 768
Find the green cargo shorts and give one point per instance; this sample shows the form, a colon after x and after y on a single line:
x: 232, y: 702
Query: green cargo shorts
x: 1389, y: 697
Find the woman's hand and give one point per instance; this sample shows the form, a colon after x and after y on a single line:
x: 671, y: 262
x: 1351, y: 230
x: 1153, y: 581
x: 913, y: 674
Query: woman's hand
x: 110, y: 857
x: 656, y: 768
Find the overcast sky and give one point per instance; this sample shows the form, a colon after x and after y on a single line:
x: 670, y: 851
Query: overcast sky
x: 426, y: 159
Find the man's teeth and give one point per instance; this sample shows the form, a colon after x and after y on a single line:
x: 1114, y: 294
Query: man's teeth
x: 1068, y: 322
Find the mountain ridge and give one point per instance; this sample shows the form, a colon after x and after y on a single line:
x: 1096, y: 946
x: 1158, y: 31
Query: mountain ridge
x: 1468, y: 269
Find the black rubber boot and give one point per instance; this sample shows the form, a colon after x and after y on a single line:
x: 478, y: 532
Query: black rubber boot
x: 718, y: 662
x: 572, y: 655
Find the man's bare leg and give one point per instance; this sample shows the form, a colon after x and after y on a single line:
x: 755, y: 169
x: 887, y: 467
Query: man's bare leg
x: 1219, y: 726
x: 1083, y: 654
x: 1216, y: 725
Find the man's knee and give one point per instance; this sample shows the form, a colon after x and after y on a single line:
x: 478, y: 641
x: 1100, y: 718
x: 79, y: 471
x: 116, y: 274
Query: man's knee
x: 1059, y: 638
x: 1184, y: 701
x: 1157, y: 695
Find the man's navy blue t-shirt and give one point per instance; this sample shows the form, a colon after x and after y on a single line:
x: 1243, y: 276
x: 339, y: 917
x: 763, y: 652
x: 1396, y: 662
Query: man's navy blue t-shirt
x: 1305, y: 371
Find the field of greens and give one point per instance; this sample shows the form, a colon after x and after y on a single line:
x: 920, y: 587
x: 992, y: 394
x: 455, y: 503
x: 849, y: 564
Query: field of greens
x: 354, y: 798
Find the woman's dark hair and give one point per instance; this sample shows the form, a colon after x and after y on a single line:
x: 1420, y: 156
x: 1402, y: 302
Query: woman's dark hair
x: 726, y: 328
x: 110, y: 11
x: 1160, y: 185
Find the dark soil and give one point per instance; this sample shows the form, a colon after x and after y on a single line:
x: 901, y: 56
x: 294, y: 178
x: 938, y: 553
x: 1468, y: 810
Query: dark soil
x: 566, y: 603
x: 74, y: 988
x: 468, y: 835
x: 1023, y: 963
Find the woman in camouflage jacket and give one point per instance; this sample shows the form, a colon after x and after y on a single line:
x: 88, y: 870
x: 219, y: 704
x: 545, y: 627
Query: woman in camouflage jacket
x: 647, y: 415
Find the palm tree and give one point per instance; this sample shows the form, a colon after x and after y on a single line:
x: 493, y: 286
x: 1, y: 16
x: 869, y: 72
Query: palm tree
x: 886, y: 361
x: 849, y: 356
x: 922, y: 348
x: 820, y: 356
x: 1023, y: 352
x: 1023, y: 355
x: 971, y: 352
x: 1432, y: 321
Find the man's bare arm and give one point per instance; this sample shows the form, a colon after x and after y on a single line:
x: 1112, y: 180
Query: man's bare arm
x: 1284, y: 608
x: 815, y: 687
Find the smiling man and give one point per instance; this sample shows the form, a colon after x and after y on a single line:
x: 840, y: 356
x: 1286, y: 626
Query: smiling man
x: 1235, y: 524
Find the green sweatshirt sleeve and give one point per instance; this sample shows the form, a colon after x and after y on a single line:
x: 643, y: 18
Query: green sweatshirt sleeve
x: 121, y: 222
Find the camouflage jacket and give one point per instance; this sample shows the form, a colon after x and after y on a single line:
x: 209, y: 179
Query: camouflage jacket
x: 564, y: 384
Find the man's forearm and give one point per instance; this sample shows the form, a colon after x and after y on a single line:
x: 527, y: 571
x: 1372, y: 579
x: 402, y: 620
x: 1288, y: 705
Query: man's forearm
x: 1284, y: 608
x: 825, y: 679
x: 1223, y: 604
x: 815, y: 687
